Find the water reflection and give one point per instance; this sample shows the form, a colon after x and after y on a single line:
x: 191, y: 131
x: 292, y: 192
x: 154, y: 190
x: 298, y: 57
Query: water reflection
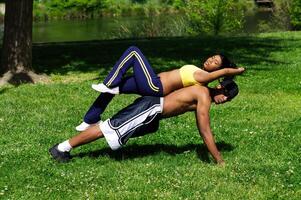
x: 112, y: 28
x: 76, y: 30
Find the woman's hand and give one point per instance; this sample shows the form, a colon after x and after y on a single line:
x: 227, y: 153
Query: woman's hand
x: 241, y: 70
x: 235, y: 71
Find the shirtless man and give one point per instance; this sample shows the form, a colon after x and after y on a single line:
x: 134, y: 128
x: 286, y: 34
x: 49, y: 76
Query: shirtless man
x: 145, y: 82
x: 142, y: 117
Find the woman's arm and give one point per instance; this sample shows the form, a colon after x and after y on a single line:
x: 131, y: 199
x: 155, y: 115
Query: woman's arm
x: 208, y: 77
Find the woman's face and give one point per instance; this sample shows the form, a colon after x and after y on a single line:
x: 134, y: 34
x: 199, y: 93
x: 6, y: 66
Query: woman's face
x: 213, y: 63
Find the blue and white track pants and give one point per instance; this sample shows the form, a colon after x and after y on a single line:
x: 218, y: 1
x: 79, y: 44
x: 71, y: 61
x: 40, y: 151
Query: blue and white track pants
x: 144, y: 81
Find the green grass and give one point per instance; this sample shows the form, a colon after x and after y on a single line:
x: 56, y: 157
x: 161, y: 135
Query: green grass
x: 258, y: 132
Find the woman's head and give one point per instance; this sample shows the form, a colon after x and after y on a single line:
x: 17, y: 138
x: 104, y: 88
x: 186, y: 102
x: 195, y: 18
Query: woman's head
x: 217, y: 62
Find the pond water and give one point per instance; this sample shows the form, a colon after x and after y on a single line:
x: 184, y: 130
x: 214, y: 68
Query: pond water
x: 79, y: 30
x: 112, y: 28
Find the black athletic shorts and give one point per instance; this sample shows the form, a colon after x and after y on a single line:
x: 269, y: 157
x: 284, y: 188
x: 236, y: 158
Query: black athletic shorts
x: 137, y: 119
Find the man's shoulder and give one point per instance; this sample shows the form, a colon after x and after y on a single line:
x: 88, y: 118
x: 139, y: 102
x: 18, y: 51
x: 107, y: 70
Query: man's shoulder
x: 199, y: 89
x: 202, y: 93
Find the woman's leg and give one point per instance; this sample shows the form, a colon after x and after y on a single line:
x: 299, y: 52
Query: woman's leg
x: 93, y: 115
x: 97, y: 108
x: 127, y: 86
x: 120, y: 68
x: 143, y: 72
x: 148, y: 82
x: 144, y: 82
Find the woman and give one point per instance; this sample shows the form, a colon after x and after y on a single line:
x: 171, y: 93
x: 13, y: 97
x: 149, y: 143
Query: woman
x: 147, y: 83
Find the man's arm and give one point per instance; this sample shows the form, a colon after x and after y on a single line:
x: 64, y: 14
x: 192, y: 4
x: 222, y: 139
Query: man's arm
x: 203, y: 123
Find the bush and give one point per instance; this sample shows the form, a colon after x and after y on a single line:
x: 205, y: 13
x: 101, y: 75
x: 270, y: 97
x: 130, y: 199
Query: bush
x: 67, y: 8
x: 215, y: 16
x: 286, y: 15
x: 295, y: 14
x: 281, y: 14
x: 154, y: 26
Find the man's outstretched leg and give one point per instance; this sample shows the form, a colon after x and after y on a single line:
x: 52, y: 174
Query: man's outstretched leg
x: 61, y: 152
x: 137, y: 119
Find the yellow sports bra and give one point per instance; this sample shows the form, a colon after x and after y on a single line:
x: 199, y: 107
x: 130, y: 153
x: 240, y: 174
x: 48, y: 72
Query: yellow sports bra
x: 186, y: 73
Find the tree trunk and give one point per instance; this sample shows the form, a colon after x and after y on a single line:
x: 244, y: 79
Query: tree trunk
x: 17, y: 40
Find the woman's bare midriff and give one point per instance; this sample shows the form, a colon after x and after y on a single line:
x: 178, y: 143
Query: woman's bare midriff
x: 171, y: 81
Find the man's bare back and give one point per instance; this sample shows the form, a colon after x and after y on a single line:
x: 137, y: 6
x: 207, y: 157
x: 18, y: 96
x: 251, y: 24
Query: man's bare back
x: 185, y: 99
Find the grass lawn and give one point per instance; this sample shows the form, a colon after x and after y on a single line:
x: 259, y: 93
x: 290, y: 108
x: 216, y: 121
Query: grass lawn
x: 258, y: 133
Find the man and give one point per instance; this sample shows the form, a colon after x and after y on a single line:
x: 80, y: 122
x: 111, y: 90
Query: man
x: 142, y: 117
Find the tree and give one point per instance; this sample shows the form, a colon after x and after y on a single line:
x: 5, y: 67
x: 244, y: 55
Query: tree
x: 17, y: 43
x: 215, y: 16
x: 295, y: 14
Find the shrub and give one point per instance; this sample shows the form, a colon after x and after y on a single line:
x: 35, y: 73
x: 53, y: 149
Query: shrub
x: 215, y: 16
x: 286, y: 15
x: 295, y: 14
x: 281, y: 14
x: 154, y: 26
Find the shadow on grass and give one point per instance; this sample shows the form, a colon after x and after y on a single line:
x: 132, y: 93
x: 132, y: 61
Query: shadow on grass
x: 3, y: 90
x: 163, y: 53
x: 137, y: 151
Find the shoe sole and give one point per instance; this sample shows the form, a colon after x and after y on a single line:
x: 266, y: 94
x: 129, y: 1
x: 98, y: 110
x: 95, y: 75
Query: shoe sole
x: 95, y: 87
x: 81, y: 130
x: 57, y: 158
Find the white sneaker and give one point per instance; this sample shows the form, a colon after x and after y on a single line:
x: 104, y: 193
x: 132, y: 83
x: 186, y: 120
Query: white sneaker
x: 84, y: 126
x: 102, y: 88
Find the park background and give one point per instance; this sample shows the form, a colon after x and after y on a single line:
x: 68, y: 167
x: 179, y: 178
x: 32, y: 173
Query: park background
x: 76, y: 42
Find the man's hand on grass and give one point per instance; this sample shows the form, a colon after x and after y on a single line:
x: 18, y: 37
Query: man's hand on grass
x: 221, y: 163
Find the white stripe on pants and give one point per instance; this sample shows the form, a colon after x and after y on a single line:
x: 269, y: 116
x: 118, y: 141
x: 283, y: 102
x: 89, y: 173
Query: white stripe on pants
x: 114, y: 134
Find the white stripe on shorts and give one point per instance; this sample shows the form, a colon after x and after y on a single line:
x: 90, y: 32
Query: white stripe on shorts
x: 113, y: 134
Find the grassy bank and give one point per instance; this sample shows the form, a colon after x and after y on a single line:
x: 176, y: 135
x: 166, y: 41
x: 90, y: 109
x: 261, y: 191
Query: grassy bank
x: 258, y: 132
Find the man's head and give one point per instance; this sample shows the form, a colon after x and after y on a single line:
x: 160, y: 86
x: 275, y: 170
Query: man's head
x: 224, y: 92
